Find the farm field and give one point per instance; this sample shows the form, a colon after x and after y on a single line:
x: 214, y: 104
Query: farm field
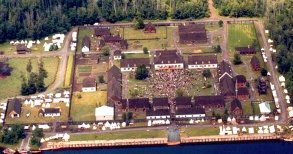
x: 69, y: 70
x: 83, y: 105
x: 19, y: 67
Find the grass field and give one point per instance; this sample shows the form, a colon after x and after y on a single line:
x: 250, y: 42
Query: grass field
x: 82, y: 33
x: 139, y: 34
x: 34, y: 116
x: 240, y: 35
x: 159, y: 39
x: 136, y: 55
x: 84, y: 108
x: 84, y: 68
x: 10, y: 86
x: 247, y: 108
x: 255, y: 107
x: 189, y: 132
x: 69, y: 70
x: 10, y: 49
x: 120, y: 135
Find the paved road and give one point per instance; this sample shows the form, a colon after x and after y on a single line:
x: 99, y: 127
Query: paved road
x: 274, y: 78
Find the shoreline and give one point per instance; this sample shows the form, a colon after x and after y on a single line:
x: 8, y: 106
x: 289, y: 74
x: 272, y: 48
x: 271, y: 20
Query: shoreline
x: 157, y: 142
x: 92, y: 144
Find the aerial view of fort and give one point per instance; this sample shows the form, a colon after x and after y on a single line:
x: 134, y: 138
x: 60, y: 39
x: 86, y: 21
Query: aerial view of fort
x: 112, y: 73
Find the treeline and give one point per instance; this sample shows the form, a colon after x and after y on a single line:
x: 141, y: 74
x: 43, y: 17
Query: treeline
x: 241, y: 8
x: 281, y: 31
x: 39, y: 18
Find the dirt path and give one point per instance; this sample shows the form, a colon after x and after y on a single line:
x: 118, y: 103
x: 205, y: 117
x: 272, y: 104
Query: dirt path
x: 213, y: 10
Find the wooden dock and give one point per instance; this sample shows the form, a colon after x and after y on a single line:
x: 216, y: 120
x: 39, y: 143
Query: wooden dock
x: 105, y: 143
x: 229, y: 138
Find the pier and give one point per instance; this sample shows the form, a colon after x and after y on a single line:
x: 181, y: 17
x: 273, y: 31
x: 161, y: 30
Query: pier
x: 229, y: 138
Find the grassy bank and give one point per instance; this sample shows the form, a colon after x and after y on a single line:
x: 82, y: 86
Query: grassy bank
x: 188, y: 132
x: 120, y: 135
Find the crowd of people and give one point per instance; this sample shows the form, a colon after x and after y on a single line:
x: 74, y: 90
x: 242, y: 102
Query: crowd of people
x: 167, y: 82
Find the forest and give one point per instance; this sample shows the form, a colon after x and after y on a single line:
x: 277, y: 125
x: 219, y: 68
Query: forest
x: 39, y: 18
x: 241, y: 8
x: 281, y: 31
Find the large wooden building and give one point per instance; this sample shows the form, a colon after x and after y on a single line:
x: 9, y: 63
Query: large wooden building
x: 202, y: 62
x: 168, y: 59
x: 193, y: 33
x: 132, y: 64
x: 114, y: 86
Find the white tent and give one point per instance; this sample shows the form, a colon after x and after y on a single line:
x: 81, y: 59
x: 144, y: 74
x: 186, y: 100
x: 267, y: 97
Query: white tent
x: 85, y: 49
x: 66, y: 137
x: 244, y: 129
x: 149, y: 123
x: 282, y: 78
x: 264, y: 108
x: 167, y: 122
x: 287, y: 97
x: 191, y: 121
x: 286, y: 91
x: 107, y: 124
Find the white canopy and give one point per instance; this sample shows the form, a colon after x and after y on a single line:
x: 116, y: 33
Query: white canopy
x: 282, y: 78
x: 286, y: 92
x: 104, y: 111
x: 264, y: 108
x: 287, y: 97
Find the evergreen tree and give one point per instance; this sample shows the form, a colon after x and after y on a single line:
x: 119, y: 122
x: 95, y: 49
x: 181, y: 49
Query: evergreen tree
x: 42, y: 72
x: 141, y: 72
x: 139, y: 24
x: 237, y: 59
x: 29, y: 66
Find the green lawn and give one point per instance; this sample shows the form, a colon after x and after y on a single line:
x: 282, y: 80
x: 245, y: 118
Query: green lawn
x: 247, y: 108
x: 255, y: 108
x: 131, y: 33
x: 11, y: 146
x: 194, y: 131
x: 84, y: 69
x: 19, y: 67
x: 84, y: 108
x: 136, y: 55
x: 240, y: 35
x: 120, y: 135
x: 160, y: 43
x: 69, y: 70
x: 82, y: 33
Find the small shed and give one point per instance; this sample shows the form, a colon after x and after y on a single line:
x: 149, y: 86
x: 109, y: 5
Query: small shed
x: 14, y: 107
x: 149, y: 28
x: 265, y: 108
x: 255, y: 64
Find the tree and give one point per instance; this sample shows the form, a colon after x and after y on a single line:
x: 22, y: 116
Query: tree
x: 29, y: 66
x: 225, y: 116
x: 237, y: 59
x: 13, y: 135
x: 141, y: 72
x: 32, y: 89
x: 179, y: 92
x: 40, y: 84
x: 264, y: 72
x: 206, y: 73
x: 42, y: 72
x: 217, y: 48
x: 105, y: 51
x: 220, y: 23
x: 145, y: 50
x: 133, y: 93
x: 101, y: 79
x: 138, y: 23
x: 122, y: 56
x: 37, y: 134
x: 24, y: 87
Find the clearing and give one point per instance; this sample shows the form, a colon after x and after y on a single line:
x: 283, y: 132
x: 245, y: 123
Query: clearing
x: 84, y: 103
